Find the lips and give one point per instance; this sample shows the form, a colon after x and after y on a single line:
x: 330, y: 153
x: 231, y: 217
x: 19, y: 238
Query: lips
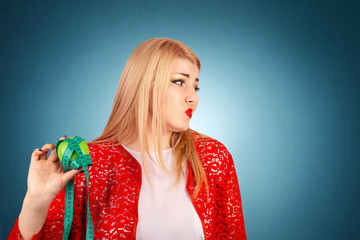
x: 189, y: 112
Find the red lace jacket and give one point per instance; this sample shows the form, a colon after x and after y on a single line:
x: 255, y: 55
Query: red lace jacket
x: 115, y: 181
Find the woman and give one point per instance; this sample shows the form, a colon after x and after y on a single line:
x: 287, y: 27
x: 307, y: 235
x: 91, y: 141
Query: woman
x: 152, y: 177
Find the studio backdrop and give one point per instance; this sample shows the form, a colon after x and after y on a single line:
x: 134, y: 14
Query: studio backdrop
x: 279, y: 88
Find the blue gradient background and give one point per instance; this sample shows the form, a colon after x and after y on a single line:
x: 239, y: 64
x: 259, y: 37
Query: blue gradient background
x: 279, y: 87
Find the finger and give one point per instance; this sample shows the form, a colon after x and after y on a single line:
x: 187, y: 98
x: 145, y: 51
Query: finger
x: 53, y: 155
x: 43, y: 151
x: 39, y: 152
x: 66, y: 177
x: 36, y: 154
x: 47, y: 147
x: 63, y: 137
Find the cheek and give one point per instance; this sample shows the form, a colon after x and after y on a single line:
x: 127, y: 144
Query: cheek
x: 173, y: 97
x: 170, y: 103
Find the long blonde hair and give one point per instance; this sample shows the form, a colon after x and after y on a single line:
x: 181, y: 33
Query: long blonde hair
x: 142, y: 90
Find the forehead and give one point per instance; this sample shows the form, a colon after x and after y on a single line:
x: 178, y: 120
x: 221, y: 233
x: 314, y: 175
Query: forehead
x: 183, y: 65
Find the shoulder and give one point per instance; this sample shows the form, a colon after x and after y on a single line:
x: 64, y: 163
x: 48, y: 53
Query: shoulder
x: 206, y: 144
x: 211, y: 151
x: 106, y: 151
x: 110, y: 153
x: 110, y: 161
x: 105, y: 148
x: 99, y: 151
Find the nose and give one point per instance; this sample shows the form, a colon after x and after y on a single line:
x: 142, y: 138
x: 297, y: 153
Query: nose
x: 192, y: 98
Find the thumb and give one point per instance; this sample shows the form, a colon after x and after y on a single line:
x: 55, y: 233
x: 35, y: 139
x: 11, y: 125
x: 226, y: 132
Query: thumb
x: 66, y: 177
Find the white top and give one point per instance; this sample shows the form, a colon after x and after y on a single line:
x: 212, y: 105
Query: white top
x: 165, y: 212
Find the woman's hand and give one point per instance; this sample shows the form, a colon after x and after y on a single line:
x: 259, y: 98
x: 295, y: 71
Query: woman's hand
x: 46, y: 177
x: 45, y: 180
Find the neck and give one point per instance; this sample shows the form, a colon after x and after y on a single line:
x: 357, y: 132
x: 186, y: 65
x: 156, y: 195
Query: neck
x: 134, y: 144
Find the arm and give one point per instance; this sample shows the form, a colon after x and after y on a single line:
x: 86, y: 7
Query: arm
x: 32, y: 216
x: 53, y: 225
x: 233, y: 209
x: 228, y: 202
x: 45, y: 180
x: 52, y: 222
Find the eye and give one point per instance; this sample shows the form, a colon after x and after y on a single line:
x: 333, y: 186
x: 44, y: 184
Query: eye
x: 178, y: 82
x: 197, y: 89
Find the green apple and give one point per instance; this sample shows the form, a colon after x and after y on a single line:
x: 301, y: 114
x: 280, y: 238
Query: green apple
x: 63, y: 145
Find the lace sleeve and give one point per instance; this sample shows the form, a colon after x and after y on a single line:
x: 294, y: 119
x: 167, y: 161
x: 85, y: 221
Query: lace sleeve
x: 230, y: 220
x: 54, y: 224
x: 233, y: 203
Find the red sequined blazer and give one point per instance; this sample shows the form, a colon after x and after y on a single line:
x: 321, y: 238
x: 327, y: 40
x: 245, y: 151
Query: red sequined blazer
x: 115, y: 181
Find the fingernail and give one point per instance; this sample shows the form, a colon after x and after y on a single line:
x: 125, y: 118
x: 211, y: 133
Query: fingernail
x: 82, y: 171
x: 64, y: 136
x: 40, y: 149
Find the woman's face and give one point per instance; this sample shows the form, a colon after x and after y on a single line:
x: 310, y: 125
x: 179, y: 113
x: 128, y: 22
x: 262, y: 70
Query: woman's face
x: 181, y: 97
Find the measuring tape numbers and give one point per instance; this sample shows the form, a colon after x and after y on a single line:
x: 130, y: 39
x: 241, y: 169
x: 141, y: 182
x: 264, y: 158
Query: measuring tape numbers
x: 74, y: 153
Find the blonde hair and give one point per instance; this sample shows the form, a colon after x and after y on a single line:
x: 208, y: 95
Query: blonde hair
x: 141, y: 92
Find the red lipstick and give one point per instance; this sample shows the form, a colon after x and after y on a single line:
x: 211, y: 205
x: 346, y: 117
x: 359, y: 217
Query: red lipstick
x: 189, y: 112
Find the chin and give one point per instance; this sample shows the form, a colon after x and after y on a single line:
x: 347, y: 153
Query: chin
x: 178, y: 128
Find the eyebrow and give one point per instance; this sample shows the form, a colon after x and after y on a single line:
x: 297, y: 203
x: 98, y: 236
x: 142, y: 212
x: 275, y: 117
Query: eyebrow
x: 187, y: 75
